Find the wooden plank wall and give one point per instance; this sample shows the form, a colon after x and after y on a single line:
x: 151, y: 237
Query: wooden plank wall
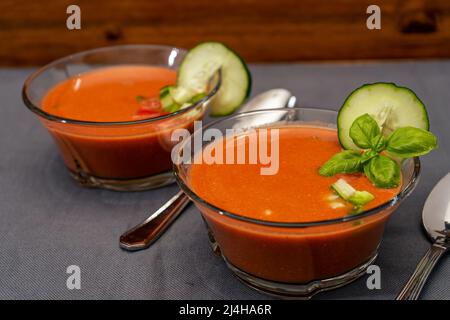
x: 34, y: 32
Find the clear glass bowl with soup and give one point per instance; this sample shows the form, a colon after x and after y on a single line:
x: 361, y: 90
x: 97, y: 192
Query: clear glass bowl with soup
x: 90, y: 102
x: 278, y: 233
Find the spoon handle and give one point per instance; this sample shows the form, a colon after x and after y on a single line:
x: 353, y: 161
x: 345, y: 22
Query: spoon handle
x: 412, y: 289
x: 145, y: 233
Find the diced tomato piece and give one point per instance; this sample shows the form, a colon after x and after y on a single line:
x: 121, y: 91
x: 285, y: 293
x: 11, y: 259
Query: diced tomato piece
x: 149, y: 108
x: 151, y: 104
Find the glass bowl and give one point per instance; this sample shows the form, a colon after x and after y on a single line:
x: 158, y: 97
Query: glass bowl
x: 295, y: 259
x: 123, y: 156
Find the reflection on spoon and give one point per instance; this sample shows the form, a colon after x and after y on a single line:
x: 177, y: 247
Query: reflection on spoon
x: 436, y: 221
x: 275, y: 98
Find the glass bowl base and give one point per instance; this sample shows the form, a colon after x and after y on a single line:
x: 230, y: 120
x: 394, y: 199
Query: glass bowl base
x: 300, y: 291
x: 139, y: 184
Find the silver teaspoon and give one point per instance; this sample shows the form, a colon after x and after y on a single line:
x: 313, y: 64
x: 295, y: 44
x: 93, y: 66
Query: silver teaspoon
x: 148, y: 231
x: 436, y: 221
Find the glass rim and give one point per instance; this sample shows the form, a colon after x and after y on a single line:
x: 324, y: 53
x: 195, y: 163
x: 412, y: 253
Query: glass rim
x: 408, y: 188
x: 48, y: 116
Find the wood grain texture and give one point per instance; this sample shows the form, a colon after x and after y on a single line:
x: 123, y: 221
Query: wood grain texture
x: 34, y: 32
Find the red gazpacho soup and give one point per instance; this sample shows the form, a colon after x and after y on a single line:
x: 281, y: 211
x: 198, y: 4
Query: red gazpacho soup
x: 296, y: 193
x: 121, y: 93
x: 115, y: 94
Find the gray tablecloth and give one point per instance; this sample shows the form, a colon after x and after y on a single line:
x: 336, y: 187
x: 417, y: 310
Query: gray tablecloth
x: 47, y: 222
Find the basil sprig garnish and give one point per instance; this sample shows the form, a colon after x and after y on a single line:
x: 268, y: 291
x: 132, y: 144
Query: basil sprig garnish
x: 365, y: 132
x: 347, y: 161
x: 383, y: 172
x: 411, y: 142
x: 375, y: 159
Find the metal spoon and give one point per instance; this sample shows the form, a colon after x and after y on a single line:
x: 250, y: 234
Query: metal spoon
x: 436, y: 220
x: 149, y: 230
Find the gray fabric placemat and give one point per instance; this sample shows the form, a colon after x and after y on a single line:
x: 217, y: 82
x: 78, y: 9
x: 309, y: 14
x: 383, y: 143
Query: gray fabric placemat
x: 48, y: 222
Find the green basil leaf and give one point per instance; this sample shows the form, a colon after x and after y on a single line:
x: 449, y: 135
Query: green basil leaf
x: 378, y: 143
x: 383, y: 172
x: 408, y: 142
x: 363, y: 130
x: 347, y: 161
x: 368, y: 155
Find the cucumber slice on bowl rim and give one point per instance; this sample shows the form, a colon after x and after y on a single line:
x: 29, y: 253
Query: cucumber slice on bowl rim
x: 202, y: 62
x: 174, y: 98
x: 390, y: 105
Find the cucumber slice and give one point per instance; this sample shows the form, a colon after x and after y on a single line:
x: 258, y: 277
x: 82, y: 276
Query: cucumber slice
x: 181, y: 94
x: 202, y: 62
x: 197, y: 98
x: 390, y: 105
x: 193, y: 100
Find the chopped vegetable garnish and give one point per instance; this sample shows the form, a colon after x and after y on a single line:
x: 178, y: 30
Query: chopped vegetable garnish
x: 380, y: 124
x: 335, y: 205
x: 343, y: 189
x: 140, y: 98
x: 149, y: 108
x: 167, y: 101
x: 350, y: 194
x: 360, y: 198
x: 375, y: 158
x: 194, y: 77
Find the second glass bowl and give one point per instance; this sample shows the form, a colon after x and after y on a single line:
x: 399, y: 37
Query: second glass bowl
x: 124, y: 156
x: 293, y: 259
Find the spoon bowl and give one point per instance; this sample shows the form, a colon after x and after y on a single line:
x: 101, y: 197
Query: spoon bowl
x: 436, y: 222
x: 436, y: 211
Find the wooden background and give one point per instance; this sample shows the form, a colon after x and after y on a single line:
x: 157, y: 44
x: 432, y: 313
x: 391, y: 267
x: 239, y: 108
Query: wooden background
x: 34, y: 32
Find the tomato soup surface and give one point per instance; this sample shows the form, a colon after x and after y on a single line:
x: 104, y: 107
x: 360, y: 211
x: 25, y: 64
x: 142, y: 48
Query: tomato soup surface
x: 108, y: 94
x: 297, y: 193
x: 115, y: 94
